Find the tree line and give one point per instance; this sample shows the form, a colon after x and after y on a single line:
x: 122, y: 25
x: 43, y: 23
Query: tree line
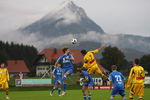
x: 14, y: 51
x: 111, y: 56
x: 114, y: 56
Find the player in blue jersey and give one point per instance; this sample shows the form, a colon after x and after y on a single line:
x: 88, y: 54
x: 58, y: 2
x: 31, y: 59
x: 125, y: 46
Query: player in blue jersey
x: 88, y: 83
x: 117, y: 80
x: 67, y: 61
x: 57, y: 74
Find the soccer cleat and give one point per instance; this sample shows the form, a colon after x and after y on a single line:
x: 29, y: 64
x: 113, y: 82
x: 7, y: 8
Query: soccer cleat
x: 51, y: 94
x: 7, y: 98
x: 59, y: 95
x: 63, y: 94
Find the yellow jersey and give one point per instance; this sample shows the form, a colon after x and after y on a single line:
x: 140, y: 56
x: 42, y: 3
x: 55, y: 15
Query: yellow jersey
x: 89, y: 59
x: 137, y: 75
x: 4, y: 75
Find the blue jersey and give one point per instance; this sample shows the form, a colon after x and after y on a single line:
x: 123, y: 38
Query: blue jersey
x: 117, y: 79
x: 87, y: 76
x: 58, y: 72
x: 66, y: 63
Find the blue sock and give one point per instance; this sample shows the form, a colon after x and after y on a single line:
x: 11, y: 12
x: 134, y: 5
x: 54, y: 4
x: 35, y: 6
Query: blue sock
x: 52, y: 90
x: 84, y: 96
x: 64, y: 78
x: 59, y: 90
x: 64, y: 87
x: 124, y: 98
x: 111, y: 98
x: 89, y: 97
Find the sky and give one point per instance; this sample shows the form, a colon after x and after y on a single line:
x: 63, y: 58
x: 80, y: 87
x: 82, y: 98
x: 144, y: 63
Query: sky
x: 114, y: 16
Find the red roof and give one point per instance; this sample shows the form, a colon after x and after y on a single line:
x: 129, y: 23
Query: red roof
x: 16, y: 66
x: 52, y: 54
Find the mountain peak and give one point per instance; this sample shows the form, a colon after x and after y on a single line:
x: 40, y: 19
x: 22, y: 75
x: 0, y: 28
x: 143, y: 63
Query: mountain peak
x: 68, y: 18
x: 68, y: 2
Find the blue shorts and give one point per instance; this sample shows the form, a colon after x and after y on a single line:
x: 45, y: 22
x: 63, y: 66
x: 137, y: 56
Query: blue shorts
x: 68, y: 70
x: 117, y: 91
x: 56, y: 82
x: 88, y: 84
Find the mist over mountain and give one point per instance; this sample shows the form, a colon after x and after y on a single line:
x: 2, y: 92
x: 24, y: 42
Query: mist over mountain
x: 57, y: 28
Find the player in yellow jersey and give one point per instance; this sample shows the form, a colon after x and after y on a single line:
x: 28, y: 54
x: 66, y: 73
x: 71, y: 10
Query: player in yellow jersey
x: 90, y: 62
x: 4, y: 78
x: 136, y: 80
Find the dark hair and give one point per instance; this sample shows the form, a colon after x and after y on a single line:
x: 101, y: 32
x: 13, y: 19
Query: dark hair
x: 65, y: 49
x: 79, y: 70
x: 137, y: 61
x: 3, y: 63
x: 83, y: 51
x: 114, y: 67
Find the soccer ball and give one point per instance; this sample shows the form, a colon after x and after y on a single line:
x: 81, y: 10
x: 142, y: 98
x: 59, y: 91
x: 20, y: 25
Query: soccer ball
x: 74, y: 41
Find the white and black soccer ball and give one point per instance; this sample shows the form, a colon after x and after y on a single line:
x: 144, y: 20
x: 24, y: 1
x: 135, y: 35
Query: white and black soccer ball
x: 74, y: 41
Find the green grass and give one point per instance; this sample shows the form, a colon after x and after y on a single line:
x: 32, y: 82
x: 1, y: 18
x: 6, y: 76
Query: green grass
x: 71, y: 95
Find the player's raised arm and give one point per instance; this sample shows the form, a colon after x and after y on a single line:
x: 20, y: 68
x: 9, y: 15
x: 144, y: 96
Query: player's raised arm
x: 131, y: 75
x: 8, y: 78
x: 98, y: 49
x: 58, y: 61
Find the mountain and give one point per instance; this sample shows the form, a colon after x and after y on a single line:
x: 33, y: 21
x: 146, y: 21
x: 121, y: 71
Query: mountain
x: 66, y: 19
x: 132, y: 53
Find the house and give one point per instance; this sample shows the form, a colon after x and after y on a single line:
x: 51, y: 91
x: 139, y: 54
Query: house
x: 48, y: 56
x: 16, y: 66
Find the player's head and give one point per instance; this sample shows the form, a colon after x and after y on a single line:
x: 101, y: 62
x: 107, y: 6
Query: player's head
x: 114, y: 67
x: 83, y: 52
x: 66, y: 50
x: 3, y: 64
x: 59, y: 65
x: 79, y: 71
x: 137, y: 61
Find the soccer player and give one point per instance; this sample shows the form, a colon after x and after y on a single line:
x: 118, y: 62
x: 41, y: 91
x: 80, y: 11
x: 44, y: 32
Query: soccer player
x: 88, y: 83
x: 117, y: 80
x: 136, y: 80
x: 67, y: 62
x: 4, y: 79
x: 90, y: 62
x: 57, y: 74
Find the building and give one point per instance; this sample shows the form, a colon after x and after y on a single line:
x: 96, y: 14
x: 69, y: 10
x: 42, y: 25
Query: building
x: 16, y: 66
x: 46, y: 57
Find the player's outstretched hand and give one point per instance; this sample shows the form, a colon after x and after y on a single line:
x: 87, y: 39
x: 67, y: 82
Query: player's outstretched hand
x: 101, y: 47
x: 127, y: 86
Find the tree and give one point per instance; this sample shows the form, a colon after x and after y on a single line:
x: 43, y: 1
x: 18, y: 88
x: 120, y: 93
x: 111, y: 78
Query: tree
x: 145, y: 62
x: 113, y: 56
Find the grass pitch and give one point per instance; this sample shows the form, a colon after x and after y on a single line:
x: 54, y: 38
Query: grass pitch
x: 71, y: 95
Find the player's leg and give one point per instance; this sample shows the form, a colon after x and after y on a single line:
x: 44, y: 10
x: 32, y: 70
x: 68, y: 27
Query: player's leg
x: 132, y: 92
x: 64, y: 87
x: 141, y: 91
x: 89, y: 92
x: 113, y: 93
x: 99, y: 72
x: 66, y: 73
x: 122, y: 93
x: 51, y: 92
x: 84, y: 92
x: 5, y: 87
x: 112, y: 97
x: 59, y: 90
x: 54, y: 88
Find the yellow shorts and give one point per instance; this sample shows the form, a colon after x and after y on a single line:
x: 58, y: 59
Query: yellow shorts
x: 94, y: 69
x: 4, y: 85
x: 137, y: 89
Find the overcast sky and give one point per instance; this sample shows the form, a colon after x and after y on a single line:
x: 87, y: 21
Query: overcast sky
x: 114, y: 16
